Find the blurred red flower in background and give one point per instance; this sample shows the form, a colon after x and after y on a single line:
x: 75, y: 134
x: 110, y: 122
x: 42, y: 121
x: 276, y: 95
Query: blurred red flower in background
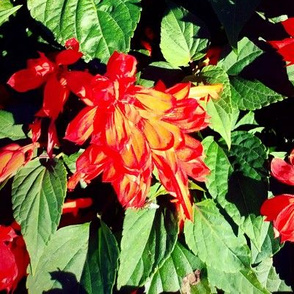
x: 134, y: 129
x: 14, y: 258
x: 286, y: 47
x: 280, y: 209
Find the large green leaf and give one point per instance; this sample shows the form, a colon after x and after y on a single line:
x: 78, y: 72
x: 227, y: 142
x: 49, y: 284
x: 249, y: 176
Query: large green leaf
x: 183, y: 36
x: 233, y: 14
x: 61, y: 264
x: 6, y: 10
x: 267, y: 275
x: 170, y: 276
x: 8, y: 127
x: 101, y: 27
x: 148, y: 239
x: 38, y: 193
x: 211, y: 234
x: 220, y: 110
x: 219, y: 166
x: 252, y: 95
x: 102, y: 262
x: 246, y: 53
x: 243, y: 281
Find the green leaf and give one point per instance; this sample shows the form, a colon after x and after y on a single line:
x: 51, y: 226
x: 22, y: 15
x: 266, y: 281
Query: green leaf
x: 101, y: 27
x: 268, y: 277
x: 8, y: 127
x: 219, y: 166
x: 6, y: 10
x: 38, y: 194
x: 268, y: 245
x: 235, y: 62
x: 61, y: 264
x: 183, y: 36
x: 248, y: 155
x: 243, y: 281
x: 220, y: 110
x: 169, y: 277
x: 70, y: 160
x: 148, y: 239
x: 233, y: 14
x: 101, y: 263
x: 211, y: 234
x: 247, y: 119
x: 252, y: 95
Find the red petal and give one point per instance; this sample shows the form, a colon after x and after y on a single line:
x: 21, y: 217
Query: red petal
x: 52, y: 138
x: 25, y: 80
x: 121, y: 65
x: 282, y: 171
x: 79, y: 83
x: 72, y: 43
x: 8, y: 268
x: 81, y: 127
x: 180, y: 90
x: 284, y: 223
x: 68, y: 56
x: 273, y: 206
x: 288, y: 25
x: 7, y: 234
x: 55, y: 95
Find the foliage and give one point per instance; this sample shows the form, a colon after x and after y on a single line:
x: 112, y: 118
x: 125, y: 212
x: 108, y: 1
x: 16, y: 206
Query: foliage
x: 137, y: 158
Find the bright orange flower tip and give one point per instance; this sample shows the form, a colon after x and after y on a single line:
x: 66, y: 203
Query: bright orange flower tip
x: 12, y: 157
x: 73, y: 206
x: 200, y: 92
x: 280, y: 210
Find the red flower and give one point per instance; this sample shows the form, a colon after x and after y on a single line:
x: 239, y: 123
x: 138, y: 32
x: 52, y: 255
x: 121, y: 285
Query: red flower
x: 12, y: 157
x: 73, y: 206
x: 14, y: 259
x: 133, y: 129
x: 280, y: 210
x: 285, y: 47
x: 283, y: 171
x: 54, y: 75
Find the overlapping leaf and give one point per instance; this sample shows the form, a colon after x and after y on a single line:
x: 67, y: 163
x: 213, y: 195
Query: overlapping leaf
x: 233, y: 14
x: 101, y: 27
x: 101, y: 264
x: 148, y: 239
x: 38, y: 194
x: 246, y: 53
x: 220, y: 110
x: 252, y: 95
x: 211, y: 234
x: 6, y: 10
x: 61, y: 265
x: 183, y: 36
x: 169, y: 277
x: 9, y: 129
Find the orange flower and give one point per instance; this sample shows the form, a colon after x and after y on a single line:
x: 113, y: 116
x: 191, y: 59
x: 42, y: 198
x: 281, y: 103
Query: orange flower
x: 12, y: 157
x: 133, y: 129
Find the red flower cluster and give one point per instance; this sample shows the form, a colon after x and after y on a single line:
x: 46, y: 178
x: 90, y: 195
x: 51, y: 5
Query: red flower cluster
x: 134, y: 129
x: 280, y: 209
x: 14, y: 258
x: 286, y: 47
x: 54, y: 75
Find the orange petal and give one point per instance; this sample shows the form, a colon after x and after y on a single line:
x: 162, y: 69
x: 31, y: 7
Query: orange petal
x: 203, y: 91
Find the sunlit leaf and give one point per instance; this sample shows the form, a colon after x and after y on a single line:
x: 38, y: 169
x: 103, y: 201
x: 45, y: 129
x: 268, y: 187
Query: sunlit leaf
x: 148, y: 239
x: 9, y: 129
x: 183, y: 36
x: 211, y: 234
x: 101, y: 27
x: 6, y: 10
x: 61, y: 264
